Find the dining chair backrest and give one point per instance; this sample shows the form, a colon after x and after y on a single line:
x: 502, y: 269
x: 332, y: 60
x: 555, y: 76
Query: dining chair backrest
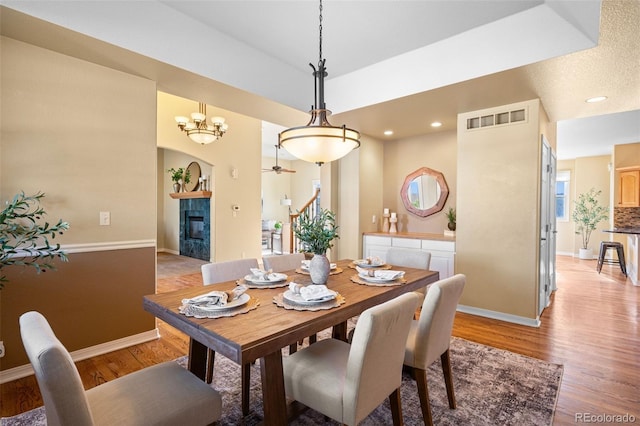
x: 161, y: 394
x: 408, y: 258
x: 374, y: 366
x: 62, y: 391
x: 283, y: 262
x: 433, y: 333
x: 213, y: 273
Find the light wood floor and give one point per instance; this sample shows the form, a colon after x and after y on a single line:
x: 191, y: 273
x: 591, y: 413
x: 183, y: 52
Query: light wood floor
x: 592, y: 328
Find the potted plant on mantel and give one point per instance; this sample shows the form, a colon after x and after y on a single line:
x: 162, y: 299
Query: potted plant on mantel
x: 316, y: 234
x: 587, y: 213
x: 24, y: 240
x: 179, y: 178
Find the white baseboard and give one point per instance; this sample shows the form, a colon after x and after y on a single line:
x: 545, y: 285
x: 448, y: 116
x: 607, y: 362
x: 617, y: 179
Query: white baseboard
x: 499, y: 316
x: 79, y: 355
x: 166, y: 250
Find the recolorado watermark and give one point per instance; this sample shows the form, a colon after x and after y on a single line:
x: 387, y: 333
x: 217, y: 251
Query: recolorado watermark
x: 604, y: 418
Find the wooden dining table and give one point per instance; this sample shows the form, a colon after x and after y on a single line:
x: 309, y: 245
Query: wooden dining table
x: 261, y: 333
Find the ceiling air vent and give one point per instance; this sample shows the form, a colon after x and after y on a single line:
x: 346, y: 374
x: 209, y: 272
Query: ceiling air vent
x: 498, y: 119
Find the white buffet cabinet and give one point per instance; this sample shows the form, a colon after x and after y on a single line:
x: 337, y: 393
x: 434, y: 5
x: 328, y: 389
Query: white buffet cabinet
x: 442, y: 248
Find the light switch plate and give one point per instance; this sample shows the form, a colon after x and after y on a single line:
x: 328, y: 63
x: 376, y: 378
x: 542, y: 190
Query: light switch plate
x: 105, y: 218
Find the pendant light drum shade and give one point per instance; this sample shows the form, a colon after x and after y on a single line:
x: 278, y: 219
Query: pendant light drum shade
x: 319, y: 144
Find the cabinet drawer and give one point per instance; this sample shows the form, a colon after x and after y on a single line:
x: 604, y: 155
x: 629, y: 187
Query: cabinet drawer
x: 377, y: 241
x: 406, y: 243
x: 448, y: 246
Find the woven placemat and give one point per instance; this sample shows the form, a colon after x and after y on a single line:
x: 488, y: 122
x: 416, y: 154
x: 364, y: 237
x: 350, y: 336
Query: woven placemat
x: 194, y: 311
x: 280, y: 301
x: 356, y: 279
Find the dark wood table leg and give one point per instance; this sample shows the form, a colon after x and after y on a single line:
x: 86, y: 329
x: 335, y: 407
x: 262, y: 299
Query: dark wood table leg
x: 273, y: 396
x: 197, y: 358
x: 340, y: 331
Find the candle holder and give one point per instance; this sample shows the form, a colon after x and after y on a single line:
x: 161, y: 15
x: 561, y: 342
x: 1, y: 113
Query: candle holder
x: 385, y: 222
x: 393, y: 228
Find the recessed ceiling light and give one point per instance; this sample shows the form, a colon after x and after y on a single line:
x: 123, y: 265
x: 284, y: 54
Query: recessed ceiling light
x: 596, y: 99
x: 388, y: 132
x: 436, y: 124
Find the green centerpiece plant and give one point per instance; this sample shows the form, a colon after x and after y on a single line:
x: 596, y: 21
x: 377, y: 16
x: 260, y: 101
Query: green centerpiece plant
x: 24, y: 239
x: 587, y: 214
x: 316, y: 233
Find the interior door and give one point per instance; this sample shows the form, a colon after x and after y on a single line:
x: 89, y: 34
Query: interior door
x: 547, y: 225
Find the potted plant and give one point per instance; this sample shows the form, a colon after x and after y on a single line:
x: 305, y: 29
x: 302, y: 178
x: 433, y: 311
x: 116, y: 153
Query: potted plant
x: 24, y: 240
x: 316, y: 234
x: 179, y: 178
x: 587, y: 213
x: 278, y: 227
x: 451, y: 217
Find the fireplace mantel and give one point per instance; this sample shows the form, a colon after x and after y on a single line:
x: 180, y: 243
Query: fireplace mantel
x: 191, y: 194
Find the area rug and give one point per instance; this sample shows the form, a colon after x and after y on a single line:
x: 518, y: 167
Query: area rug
x: 492, y: 387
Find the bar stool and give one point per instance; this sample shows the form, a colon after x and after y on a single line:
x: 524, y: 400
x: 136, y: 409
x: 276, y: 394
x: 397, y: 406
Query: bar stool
x: 604, y: 246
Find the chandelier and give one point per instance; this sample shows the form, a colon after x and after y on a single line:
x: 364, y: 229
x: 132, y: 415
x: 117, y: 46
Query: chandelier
x: 198, y: 129
x: 319, y: 142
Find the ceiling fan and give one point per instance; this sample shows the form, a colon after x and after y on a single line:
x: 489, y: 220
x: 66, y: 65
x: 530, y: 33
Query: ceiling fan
x: 278, y: 169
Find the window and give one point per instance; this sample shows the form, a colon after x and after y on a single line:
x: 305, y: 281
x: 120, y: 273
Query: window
x: 563, y: 179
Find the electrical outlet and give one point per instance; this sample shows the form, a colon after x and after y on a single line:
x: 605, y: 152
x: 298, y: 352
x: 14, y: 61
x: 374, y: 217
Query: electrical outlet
x: 374, y: 219
x: 1, y: 349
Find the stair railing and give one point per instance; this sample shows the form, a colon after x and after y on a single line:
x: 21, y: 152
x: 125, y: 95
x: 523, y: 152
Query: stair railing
x: 311, y: 207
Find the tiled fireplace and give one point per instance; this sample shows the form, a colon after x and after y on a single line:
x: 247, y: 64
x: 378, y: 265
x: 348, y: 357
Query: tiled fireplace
x: 195, y: 228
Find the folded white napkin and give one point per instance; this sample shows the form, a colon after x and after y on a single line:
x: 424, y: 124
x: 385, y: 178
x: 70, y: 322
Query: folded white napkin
x: 262, y: 275
x: 311, y: 292
x: 380, y: 274
x: 216, y: 298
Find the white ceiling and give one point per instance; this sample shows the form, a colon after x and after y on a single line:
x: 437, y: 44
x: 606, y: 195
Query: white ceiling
x: 392, y: 64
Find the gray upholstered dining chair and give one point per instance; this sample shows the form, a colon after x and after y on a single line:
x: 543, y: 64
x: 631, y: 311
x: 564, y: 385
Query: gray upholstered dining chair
x: 287, y: 262
x: 163, y: 394
x: 283, y: 262
x: 213, y: 273
x: 430, y: 336
x: 409, y: 259
x: 348, y: 381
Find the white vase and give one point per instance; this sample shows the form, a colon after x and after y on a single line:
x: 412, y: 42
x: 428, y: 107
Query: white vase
x: 585, y: 254
x: 319, y: 268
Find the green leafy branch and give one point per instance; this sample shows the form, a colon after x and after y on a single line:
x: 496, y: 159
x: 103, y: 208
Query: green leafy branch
x: 24, y: 240
x: 316, y: 232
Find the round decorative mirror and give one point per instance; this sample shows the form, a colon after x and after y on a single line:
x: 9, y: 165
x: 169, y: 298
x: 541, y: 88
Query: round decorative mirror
x: 194, y: 169
x: 424, y: 192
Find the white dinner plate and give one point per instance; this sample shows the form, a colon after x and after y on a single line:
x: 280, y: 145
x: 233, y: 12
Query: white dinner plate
x: 242, y: 300
x: 364, y: 263
x: 296, y: 298
x: 378, y: 279
x: 275, y: 277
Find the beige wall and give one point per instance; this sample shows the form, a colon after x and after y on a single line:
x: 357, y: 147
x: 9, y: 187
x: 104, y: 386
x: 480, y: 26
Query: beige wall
x: 401, y: 158
x: 593, y: 172
x: 84, y: 135
x: 497, y: 217
x: 236, y: 236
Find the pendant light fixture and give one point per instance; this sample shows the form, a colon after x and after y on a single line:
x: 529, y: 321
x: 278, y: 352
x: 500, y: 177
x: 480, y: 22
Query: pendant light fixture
x: 198, y: 130
x: 319, y: 142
